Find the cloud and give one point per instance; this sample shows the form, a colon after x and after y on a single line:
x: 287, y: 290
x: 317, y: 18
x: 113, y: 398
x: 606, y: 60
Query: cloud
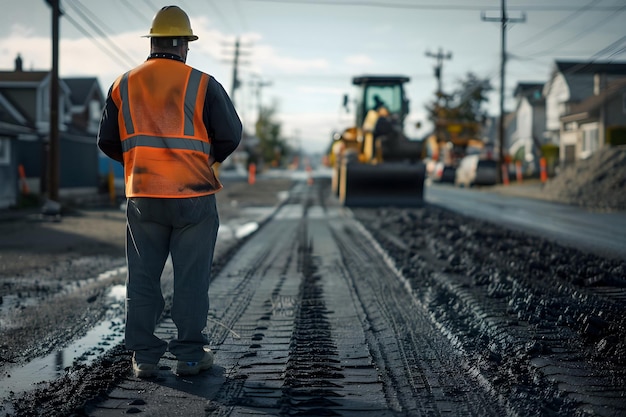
x: 92, y: 57
x: 313, y: 130
x: 382, y: 29
x: 35, y: 51
x: 266, y: 58
x: 359, y: 60
x: 316, y: 90
x: 19, y: 31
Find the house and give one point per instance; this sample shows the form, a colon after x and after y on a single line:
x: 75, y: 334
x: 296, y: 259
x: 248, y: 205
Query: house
x: 491, y: 133
x: 25, y: 97
x: 572, y: 82
x: 9, y: 167
x: 530, y: 115
x: 599, y: 120
x: 86, y: 101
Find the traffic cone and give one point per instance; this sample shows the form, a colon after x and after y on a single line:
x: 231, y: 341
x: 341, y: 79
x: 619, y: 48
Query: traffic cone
x: 309, y: 175
x: 542, y: 169
x: 23, y: 182
x: 505, y: 174
x: 252, y: 173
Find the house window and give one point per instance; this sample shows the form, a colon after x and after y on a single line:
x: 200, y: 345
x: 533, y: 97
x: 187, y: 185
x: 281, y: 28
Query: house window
x: 591, y: 140
x: 570, y: 126
x: 95, y: 111
x: 5, y: 151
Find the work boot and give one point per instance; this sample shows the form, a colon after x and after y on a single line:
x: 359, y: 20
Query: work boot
x: 184, y: 368
x: 145, y: 370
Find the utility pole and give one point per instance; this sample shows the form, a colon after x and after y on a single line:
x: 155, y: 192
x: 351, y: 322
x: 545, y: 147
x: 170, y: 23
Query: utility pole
x: 503, y: 19
x: 439, y: 114
x: 439, y: 56
x: 236, y: 81
x: 53, y: 153
x: 258, y: 84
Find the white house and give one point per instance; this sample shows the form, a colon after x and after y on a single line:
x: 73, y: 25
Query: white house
x: 597, y: 121
x: 530, y: 124
x: 572, y: 82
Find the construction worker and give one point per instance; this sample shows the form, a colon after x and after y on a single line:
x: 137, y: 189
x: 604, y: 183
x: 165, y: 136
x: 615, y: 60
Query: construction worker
x: 168, y: 123
x: 375, y: 124
x: 371, y: 118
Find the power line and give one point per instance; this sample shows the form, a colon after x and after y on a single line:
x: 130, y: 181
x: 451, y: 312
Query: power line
x: 567, y: 19
x: 94, y: 27
x: 151, y: 5
x: 595, y: 57
x: 77, y: 4
x: 618, y: 52
x: 184, y: 5
x: 237, y: 7
x: 98, y: 44
x: 434, y: 6
x: 220, y: 15
x: 133, y: 9
x: 612, y: 46
x: 582, y: 33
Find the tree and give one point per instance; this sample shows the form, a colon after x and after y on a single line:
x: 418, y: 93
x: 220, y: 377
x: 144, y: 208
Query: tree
x: 464, y: 107
x: 470, y: 97
x: 272, y: 147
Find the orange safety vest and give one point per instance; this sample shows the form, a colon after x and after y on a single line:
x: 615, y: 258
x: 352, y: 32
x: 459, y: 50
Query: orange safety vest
x: 165, y: 142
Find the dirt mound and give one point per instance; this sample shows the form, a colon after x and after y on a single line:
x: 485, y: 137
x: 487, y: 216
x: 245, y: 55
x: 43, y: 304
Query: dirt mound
x: 598, y: 182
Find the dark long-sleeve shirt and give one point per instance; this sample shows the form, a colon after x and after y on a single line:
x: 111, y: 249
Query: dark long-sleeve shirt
x: 219, y: 115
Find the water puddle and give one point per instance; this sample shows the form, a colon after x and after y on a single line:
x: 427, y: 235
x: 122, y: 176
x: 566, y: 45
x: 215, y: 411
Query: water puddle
x: 11, y: 302
x: 244, y: 226
x: 104, y: 336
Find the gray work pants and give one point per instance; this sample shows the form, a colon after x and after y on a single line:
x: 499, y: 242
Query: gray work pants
x: 186, y: 228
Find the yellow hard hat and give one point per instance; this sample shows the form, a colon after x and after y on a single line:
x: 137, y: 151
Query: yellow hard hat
x: 171, y: 22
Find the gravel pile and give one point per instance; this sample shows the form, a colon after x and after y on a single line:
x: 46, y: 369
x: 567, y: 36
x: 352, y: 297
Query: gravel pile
x: 598, y: 182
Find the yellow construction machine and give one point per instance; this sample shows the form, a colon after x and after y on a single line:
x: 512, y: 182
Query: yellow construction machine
x: 374, y: 163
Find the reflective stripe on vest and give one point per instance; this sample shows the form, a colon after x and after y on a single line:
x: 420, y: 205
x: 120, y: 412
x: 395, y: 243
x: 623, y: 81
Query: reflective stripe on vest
x: 190, y: 100
x: 164, y: 140
x: 166, y: 143
x: 128, y: 120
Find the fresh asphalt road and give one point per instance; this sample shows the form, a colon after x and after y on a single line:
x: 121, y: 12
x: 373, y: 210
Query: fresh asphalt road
x: 602, y: 233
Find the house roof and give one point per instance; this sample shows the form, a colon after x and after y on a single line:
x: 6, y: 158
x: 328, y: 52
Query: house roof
x: 583, y: 109
x: 82, y: 88
x: 579, y: 75
x: 527, y: 88
x: 586, y: 67
x: 531, y: 90
x: 13, y: 130
x: 23, y: 76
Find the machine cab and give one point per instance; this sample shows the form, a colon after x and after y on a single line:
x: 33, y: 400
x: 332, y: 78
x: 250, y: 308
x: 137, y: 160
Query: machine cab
x: 388, y: 90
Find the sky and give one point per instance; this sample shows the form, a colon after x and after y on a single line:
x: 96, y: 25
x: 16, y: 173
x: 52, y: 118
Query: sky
x: 304, y: 53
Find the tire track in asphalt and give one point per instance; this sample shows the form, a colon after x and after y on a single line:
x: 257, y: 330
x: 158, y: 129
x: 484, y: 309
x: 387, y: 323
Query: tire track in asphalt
x: 298, y: 365
x: 420, y: 369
